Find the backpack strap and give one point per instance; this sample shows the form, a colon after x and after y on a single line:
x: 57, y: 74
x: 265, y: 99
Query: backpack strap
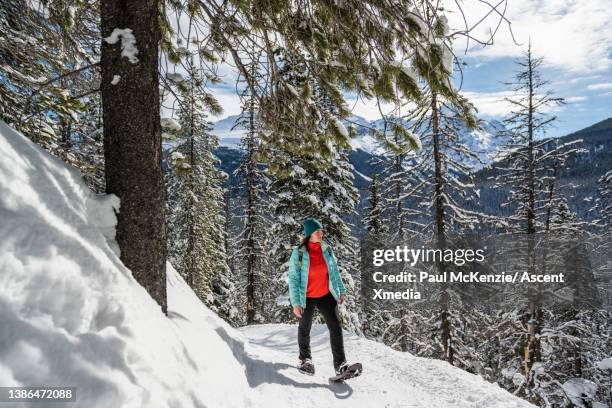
x: 301, y: 253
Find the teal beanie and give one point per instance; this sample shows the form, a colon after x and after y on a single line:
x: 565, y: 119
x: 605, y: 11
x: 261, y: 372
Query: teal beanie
x: 311, y: 225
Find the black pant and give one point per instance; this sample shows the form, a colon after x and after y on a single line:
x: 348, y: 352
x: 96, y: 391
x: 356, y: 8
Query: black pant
x: 327, y: 306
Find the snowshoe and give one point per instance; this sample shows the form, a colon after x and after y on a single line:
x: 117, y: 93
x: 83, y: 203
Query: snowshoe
x: 306, y: 367
x: 346, y: 371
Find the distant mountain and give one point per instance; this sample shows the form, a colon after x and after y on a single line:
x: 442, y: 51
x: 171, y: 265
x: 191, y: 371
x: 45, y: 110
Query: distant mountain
x: 483, y: 141
x: 578, y: 180
x: 228, y: 132
x: 486, y: 142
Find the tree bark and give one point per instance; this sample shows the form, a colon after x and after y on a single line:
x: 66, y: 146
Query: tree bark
x: 132, y: 141
x: 445, y: 323
x: 250, y: 218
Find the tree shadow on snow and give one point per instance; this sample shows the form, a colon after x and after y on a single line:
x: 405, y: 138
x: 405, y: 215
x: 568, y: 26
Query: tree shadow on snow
x: 175, y: 315
x: 260, y: 372
x: 270, y: 342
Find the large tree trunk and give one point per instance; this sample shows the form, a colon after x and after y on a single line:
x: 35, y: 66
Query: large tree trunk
x: 132, y: 141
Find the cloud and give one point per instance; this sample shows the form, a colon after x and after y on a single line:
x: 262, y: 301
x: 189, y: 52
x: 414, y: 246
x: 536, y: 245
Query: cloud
x: 571, y: 99
x: 572, y: 35
x: 226, y: 96
x: 367, y: 108
x: 494, y: 103
x: 490, y: 103
x: 603, y: 86
x: 229, y: 101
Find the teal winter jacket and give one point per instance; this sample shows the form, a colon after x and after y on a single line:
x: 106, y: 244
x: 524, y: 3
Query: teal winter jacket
x: 298, y: 277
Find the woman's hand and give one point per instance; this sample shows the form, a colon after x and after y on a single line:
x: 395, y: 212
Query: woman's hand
x: 298, y: 311
x: 342, y: 299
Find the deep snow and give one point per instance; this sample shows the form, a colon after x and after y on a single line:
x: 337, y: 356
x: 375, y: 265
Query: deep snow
x: 72, y: 315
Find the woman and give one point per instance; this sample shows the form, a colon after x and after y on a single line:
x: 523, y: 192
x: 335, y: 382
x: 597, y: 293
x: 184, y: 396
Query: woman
x: 314, y: 282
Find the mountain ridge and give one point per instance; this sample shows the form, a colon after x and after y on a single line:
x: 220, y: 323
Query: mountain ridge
x: 483, y: 141
x: 579, y: 180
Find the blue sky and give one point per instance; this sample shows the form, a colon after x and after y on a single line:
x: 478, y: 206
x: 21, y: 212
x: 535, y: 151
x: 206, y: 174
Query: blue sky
x: 588, y: 96
x: 573, y: 36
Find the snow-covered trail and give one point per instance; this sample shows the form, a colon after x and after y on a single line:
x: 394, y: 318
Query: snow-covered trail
x: 72, y: 315
x: 390, y: 378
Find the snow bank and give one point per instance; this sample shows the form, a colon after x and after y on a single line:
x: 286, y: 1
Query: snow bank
x: 72, y: 315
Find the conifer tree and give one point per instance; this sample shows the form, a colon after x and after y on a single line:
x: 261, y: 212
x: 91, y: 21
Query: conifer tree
x: 602, y: 210
x: 132, y: 137
x: 525, y: 161
x: 373, y: 320
x: 196, y: 221
x: 43, y: 61
x: 399, y: 182
x: 338, y: 47
x: 373, y: 220
x: 49, y: 80
x: 440, y: 186
x: 603, y: 203
x: 316, y: 184
x: 324, y: 190
x: 252, y: 242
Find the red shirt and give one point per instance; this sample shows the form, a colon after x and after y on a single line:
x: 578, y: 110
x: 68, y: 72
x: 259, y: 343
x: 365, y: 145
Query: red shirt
x: 318, y: 277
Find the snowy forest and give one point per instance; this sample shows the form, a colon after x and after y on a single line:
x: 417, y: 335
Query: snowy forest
x: 126, y: 92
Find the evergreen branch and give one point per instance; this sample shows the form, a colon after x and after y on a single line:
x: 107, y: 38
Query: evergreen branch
x: 47, y: 83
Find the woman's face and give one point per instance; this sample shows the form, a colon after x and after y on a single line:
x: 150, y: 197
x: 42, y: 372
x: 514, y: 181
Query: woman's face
x: 316, y: 236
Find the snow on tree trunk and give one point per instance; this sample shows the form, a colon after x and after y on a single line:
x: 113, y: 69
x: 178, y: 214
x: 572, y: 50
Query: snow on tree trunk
x: 132, y: 141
